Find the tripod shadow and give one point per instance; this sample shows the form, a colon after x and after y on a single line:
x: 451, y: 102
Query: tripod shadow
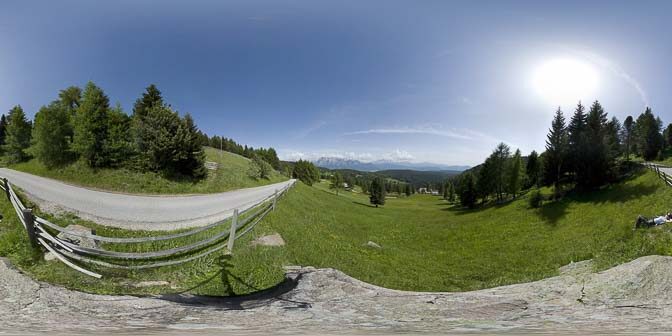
x: 231, y: 301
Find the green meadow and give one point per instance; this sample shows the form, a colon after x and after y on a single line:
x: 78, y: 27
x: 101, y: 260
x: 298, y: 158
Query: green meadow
x: 426, y: 243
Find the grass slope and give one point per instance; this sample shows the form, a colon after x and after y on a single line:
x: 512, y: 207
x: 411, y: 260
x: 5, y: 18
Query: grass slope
x: 427, y: 244
x: 231, y: 174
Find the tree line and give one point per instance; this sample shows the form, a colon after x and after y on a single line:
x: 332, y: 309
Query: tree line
x: 81, y: 125
x: 585, y: 153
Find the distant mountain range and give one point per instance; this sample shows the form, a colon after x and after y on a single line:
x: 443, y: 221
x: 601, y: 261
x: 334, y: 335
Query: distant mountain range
x: 338, y: 163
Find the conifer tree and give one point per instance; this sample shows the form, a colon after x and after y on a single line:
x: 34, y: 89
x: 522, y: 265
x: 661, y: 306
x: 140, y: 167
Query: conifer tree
x: 648, y: 139
x: 91, y: 124
x: 3, y: 129
x: 667, y: 134
x: 556, y: 151
x: 628, y: 130
x: 467, y: 190
x: 578, y: 145
x: 597, y: 161
x: 193, y: 163
x: 377, y: 192
x: 119, y: 147
x: 532, y: 170
x: 515, y: 174
x: 17, y: 138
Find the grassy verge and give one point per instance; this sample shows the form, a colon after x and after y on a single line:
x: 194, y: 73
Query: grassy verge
x: 427, y: 244
x: 231, y: 174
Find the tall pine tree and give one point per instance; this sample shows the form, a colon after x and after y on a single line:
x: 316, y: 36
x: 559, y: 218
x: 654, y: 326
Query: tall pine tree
x: 628, y: 132
x: 578, y: 145
x: 556, y: 151
x: 91, y: 124
x: 18, y: 135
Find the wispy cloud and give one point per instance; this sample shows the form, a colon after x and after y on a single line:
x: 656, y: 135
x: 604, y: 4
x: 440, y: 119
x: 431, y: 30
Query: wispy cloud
x: 416, y: 130
x: 397, y: 155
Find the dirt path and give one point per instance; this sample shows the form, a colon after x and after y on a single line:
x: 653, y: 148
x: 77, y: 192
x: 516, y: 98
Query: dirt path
x: 634, y: 297
x: 136, y: 212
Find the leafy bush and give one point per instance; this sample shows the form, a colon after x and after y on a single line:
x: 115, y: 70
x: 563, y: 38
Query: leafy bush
x: 535, y: 199
x: 259, y: 168
x: 306, y: 172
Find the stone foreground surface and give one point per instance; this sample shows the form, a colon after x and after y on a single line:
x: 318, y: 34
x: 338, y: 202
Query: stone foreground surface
x: 633, y: 297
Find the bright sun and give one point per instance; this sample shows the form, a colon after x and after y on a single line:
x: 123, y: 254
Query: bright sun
x: 565, y: 81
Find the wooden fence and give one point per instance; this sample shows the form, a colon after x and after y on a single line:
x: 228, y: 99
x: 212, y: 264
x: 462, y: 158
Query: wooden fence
x: 42, y: 232
x: 661, y: 173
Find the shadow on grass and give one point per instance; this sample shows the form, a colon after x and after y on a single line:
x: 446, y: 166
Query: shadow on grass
x: 364, y: 204
x: 238, y: 302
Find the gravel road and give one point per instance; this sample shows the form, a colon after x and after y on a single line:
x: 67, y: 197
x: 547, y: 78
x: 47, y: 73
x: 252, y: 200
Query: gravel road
x: 633, y: 297
x: 136, y: 212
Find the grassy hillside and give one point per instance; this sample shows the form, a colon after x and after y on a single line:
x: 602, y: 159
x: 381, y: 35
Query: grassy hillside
x: 231, y: 174
x: 427, y: 244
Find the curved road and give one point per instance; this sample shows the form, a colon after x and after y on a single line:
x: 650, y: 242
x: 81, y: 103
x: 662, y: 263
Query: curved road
x: 137, y: 212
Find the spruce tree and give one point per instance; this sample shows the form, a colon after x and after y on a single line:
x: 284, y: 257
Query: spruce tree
x: 150, y: 98
x: 193, y: 163
x: 119, y: 147
x: 597, y: 161
x: 648, y: 140
x: 17, y: 138
x: 628, y: 130
x: 3, y: 129
x: 485, y: 184
x: 667, y: 134
x: 556, y: 151
x: 467, y: 190
x: 377, y: 192
x: 532, y: 170
x: 91, y: 125
x: 578, y: 145
x: 500, y: 158
x: 52, y: 135
x: 515, y: 174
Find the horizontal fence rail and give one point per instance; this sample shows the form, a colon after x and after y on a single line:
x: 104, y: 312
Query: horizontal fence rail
x: 661, y: 173
x: 42, y: 232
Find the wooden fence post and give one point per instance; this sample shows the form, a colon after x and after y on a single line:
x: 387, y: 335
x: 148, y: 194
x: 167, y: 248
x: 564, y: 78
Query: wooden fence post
x: 30, y: 225
x: 6, y: 185
x: 232, y: 232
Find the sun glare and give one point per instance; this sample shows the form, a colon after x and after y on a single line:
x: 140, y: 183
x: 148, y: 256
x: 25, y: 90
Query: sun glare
x: 565, y: 81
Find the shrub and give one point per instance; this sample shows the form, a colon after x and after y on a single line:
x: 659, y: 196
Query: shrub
x: 259, y: 168
x: 535, y: 199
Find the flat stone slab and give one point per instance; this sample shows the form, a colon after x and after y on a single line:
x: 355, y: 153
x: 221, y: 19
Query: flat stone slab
x: 270, y: 240
x: 77, y: 240
x: 634, y: 296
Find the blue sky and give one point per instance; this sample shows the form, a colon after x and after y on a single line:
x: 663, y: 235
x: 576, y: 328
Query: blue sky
x: 432, y: 81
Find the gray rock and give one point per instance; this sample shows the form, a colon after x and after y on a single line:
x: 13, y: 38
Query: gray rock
x: 270, y: 240
x: 634, y: 296
x: 77, y: 240
x: 372, y: 244
x: 49, y: 256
